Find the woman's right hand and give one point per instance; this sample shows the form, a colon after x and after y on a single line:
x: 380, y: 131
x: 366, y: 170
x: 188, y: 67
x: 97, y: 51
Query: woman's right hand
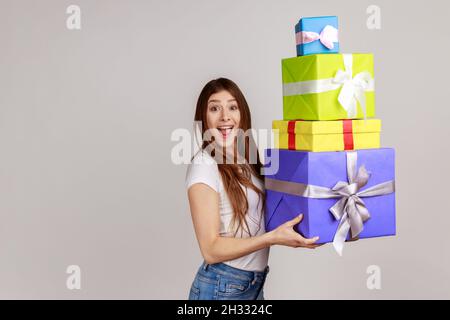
x: 285, y: 235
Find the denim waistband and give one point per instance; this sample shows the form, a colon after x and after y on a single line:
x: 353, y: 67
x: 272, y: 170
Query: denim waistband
x: 224, y: 269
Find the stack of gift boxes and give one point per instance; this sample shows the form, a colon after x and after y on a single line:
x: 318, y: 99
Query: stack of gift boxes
x: 330, y: 164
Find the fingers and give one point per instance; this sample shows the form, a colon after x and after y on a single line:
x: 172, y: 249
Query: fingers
x: 301, y: 241
x: 295, y: 221
x: 310, y: 246
x: 314, y: 246
x: 308, y: 243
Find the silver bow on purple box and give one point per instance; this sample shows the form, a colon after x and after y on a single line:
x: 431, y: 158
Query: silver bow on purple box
x: 350, y: 210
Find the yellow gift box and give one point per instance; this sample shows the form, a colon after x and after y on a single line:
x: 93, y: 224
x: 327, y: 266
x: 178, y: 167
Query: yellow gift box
x: 318, y: 136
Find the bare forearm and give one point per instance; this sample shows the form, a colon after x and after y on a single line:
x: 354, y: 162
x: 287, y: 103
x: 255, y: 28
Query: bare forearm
x: 225, y: 248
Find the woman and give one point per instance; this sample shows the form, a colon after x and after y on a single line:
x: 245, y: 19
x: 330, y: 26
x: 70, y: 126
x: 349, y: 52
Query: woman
x: 227, y: 202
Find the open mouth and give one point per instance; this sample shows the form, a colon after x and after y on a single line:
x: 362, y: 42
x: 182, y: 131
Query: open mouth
x: 225, y: 131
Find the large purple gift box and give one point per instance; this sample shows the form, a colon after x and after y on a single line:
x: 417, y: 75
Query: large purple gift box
x: 316, y: 170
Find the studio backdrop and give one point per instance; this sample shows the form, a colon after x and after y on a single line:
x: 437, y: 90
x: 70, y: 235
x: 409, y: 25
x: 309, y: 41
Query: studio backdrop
x: 93, y: 95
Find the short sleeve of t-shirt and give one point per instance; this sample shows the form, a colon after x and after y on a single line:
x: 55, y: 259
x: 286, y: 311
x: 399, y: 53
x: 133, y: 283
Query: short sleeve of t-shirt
x: 203, y: 169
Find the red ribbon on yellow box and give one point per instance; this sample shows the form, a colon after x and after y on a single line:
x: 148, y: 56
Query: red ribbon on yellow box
x: 347, y: 129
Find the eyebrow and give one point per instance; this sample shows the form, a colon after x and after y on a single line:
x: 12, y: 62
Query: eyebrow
x: 231, y: 100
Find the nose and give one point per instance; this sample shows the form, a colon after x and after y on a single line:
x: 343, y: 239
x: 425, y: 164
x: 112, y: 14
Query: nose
x: 225, y: 115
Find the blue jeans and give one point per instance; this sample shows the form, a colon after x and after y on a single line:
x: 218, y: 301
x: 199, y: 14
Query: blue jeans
x: 222, y: 282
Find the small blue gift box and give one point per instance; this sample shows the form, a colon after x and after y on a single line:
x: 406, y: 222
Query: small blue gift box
x: 317, y: 35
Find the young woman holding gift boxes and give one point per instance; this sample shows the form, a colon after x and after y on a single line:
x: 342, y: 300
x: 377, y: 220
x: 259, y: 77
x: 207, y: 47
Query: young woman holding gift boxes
x: 227, y: 202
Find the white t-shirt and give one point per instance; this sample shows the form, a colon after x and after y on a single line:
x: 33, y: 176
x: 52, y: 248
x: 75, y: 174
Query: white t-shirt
x: 204, y: 169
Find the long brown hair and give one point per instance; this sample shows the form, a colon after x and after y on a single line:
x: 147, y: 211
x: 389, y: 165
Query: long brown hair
x: 234, y: 175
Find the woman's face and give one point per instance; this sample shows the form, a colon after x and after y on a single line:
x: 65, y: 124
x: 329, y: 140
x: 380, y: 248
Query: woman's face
x: 223, y: 118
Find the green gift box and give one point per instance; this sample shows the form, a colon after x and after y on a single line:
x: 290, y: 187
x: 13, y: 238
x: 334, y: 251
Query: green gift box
x: 328, y: 87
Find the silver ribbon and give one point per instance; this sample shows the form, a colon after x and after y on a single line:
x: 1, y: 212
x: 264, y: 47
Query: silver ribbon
x: 350, y: 210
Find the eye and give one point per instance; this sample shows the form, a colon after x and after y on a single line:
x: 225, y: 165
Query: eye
x: 234, y: 107
x: 213, y: 108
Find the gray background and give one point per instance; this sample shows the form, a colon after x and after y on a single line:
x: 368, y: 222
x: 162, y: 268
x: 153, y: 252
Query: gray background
x: 86, y: 116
